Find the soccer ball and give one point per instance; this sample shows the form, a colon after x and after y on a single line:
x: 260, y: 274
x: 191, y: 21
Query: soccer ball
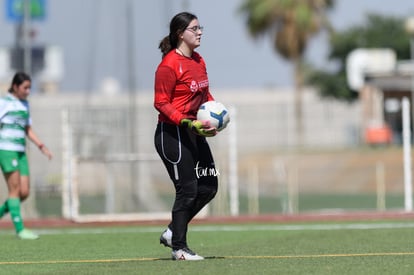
x: 216, y: 113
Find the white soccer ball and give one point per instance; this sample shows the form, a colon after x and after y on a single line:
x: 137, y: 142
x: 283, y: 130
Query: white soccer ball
x: 216, y: 113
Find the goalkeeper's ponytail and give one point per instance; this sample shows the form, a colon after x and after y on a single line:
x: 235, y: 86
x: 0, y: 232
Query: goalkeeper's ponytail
x: 178, y: 25
x: 165, y: 45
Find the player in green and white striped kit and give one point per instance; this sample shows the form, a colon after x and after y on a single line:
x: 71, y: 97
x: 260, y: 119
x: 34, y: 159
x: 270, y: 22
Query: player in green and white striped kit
x: 15, y: 125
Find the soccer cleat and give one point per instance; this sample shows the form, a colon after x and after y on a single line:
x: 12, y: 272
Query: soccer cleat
x: 185, y: 254
x: 27, y: 234
x: 165, y: 239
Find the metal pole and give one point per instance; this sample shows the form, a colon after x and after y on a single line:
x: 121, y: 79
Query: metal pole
x: 233, y: 161
x: 380, y: 183
x: 27, y: 47
x: 408, y: 200
x: 185, y: 5
x: 412, y: 76
x: 136, y: 186
x: 131, y: 75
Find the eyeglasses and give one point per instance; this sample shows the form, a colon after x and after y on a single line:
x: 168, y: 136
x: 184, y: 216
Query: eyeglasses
x: 195, y: 28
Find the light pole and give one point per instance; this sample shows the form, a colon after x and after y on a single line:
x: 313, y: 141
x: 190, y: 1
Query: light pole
x: 27, y: 47
x: 409, y: 27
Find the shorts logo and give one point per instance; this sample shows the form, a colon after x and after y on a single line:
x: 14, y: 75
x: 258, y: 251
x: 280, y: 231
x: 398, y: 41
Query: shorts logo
x: 14, y: 162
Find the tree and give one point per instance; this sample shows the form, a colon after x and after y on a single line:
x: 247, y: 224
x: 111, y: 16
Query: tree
x: 377, y: 32
x: 291, y: 23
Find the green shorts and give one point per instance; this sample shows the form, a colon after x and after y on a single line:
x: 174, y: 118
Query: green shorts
x: 11, y: 161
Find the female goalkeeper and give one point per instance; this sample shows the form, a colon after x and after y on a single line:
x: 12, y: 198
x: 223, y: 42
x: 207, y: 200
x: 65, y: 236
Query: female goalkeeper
x: 181, y: 86
x: 15, y: 125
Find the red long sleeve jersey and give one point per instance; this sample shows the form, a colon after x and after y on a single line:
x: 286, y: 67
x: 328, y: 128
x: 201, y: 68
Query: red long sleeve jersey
x: 181, y: 86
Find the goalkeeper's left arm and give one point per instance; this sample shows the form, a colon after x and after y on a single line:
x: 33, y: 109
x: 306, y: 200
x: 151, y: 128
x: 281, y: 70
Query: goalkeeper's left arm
x: 202, y: 128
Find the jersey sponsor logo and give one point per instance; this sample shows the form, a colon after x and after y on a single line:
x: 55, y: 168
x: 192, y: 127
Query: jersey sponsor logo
x: 194, y: 86
x: 203, y: 84
x: 22, y: 122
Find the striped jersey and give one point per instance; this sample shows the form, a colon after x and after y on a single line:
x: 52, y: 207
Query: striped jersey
x: 14, y: 118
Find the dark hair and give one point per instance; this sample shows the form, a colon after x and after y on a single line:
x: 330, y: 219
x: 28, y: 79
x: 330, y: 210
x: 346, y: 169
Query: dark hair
x: 178, y: 25
x: 18, y: 79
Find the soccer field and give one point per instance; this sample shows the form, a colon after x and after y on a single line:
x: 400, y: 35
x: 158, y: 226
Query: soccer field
x: 310, y: 248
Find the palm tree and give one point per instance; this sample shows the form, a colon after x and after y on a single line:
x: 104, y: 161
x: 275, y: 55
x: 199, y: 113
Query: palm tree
x: 292, y: 23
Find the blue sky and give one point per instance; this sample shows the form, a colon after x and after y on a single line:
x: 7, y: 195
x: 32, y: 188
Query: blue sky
x: 94, y: 35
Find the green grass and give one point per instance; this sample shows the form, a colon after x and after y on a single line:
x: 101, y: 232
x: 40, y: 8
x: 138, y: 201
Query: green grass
x: 380, y: 248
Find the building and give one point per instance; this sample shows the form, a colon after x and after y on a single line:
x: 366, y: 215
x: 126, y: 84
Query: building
x: 382, y: 82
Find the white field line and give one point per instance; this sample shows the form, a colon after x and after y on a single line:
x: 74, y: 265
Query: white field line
x: 229, y: 228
